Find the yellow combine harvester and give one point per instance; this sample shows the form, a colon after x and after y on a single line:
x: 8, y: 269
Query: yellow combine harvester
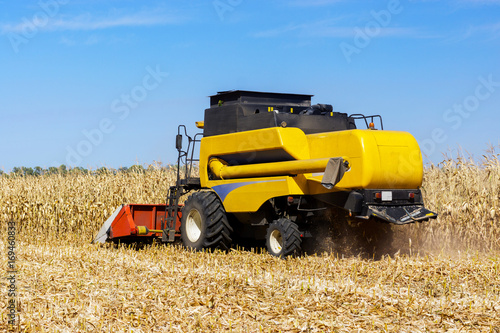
x: 270, y: 165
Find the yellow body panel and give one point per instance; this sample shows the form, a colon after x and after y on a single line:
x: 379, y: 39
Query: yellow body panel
x: 247, y: 195
x: 291, y: 140
x: 377, y: 160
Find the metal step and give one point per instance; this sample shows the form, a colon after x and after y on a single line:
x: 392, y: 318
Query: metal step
x: 192, y: 181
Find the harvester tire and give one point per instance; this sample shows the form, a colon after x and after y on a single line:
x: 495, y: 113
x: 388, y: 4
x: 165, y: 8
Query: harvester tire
x: 204, y: 223
x: 283, y: 238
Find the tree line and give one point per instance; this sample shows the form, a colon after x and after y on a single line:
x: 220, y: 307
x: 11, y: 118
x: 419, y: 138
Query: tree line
x: 64, y: 170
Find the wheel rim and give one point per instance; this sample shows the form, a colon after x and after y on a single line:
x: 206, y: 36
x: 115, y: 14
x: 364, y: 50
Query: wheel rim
x: 193, y: 226
x: 275, y: 241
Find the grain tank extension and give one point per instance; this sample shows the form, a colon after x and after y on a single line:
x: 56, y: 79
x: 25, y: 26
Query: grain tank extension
x: 269, y: 166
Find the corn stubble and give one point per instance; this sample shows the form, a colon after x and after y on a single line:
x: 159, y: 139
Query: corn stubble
x: 441, y: 275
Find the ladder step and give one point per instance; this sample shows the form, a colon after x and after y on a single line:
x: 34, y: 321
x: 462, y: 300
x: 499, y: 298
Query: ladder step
x: 168, y: 235
x: 191, y: 181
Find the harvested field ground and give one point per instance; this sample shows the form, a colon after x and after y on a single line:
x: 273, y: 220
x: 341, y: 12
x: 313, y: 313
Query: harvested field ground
x: 437, y: 276
x: 78, y: 288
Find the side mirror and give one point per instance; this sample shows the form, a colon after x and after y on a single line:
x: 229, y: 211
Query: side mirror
x: 178, y: 142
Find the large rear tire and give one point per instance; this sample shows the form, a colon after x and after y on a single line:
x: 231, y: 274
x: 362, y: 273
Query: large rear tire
x: 204, y: 224
x: 283, y: 238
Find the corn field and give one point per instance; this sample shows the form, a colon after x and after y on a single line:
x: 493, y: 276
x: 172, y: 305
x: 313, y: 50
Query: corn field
x: 439, y: 276
x: 75, y: 205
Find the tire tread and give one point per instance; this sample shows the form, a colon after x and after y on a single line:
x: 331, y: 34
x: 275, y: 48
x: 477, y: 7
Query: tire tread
x: 290, y: 234
x: 218, y: 230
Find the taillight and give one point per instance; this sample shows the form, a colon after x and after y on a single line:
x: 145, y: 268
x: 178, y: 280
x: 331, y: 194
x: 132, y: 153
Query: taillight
x: 383, y: 196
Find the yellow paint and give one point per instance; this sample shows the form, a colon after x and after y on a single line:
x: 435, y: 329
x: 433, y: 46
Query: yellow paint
x: 377, y: 160
x: 289, y: 140
x: 249, y: 198
x: 223, y: 171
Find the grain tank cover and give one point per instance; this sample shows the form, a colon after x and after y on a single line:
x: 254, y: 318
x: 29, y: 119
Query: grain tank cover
x: 241, y: 110
x: 249, y: 99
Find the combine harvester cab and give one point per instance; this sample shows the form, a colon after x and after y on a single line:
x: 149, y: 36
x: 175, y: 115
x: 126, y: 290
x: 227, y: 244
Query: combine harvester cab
x: 271, y: 164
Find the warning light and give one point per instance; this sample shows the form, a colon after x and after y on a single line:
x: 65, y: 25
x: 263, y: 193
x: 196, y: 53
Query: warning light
x: 290, y: 199
x: 378, y: 195
x: 371, y: 125
x: 411, y: 195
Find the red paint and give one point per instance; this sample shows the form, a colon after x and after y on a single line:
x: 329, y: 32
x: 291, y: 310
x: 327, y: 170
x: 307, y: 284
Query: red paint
x: 133, y: 215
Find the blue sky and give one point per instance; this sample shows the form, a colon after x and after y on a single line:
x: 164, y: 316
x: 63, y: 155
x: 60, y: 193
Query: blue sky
x: 105, y: 83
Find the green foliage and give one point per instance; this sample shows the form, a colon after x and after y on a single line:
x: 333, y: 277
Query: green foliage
x: 53, y: 170
x: 38, y: 171
x: 103, y: 171
x: 136, y: 168
x: 63, y: 170
x: 23, y: 171
x: 79, y: 170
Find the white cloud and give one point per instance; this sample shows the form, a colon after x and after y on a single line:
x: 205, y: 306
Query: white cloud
x: 332, y: 29
x: 278, y: 31
x: 313, y: 3
x: 345, y: 32
x: 87, y: 21
x: 487, y: 31
x: 67, y: 41
x: 481, y: 2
